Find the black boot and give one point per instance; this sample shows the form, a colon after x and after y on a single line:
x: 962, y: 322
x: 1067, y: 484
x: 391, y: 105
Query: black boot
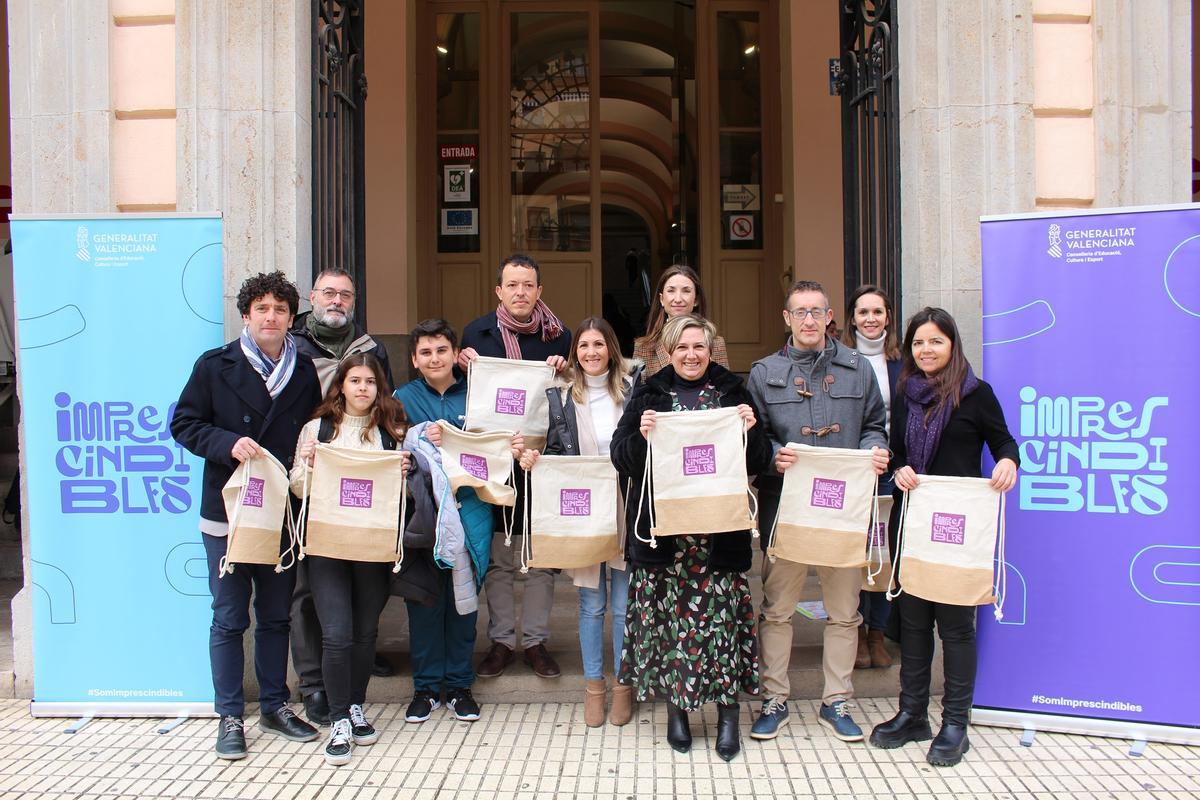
x: 679, y: 735
x: 728, y: 744
x: 900, y: 730
x: 949, y: 745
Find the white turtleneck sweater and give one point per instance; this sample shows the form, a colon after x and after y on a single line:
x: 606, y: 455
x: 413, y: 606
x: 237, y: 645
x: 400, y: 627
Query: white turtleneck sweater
x: 349, y: 435
x: 873, y: 350
x: 605, y: 413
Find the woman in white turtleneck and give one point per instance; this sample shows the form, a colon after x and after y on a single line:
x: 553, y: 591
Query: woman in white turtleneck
x: 871, y: 331
x: 583, y: 416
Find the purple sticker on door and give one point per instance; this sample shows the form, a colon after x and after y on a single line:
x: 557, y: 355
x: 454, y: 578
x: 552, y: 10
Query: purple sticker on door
x: 356, y: 493
x: 475, y: 465
x: 700, y: 459
x: 254, y: 492
x: 949, y: 528
x: 828, y: 493
x: 510, y: 401
x: 575, y: 502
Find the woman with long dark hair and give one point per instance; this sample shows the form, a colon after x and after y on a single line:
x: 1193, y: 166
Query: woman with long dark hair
x: 942, y: 417
x: 871, y: 330
x: 584, y: 412
x: 679, y: 292
x: 358, y: 413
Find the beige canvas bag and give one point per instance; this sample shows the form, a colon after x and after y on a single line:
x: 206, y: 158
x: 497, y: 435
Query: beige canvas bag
x: 949, y: 530
x: 482, y: 461
x: 696, y: 474
x: 877, y: 544
x: 509, y: 394
x: 573, y: 513
x: 826, y: 508
x: 257, y: 505
x: 355, y: 500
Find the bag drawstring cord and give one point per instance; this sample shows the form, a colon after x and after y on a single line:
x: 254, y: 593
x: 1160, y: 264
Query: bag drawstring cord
x: 403, y: 514
x: 754, y: 534
x: 509, y: 516
x: 302, y: 528
x: 224, y: 567
x: 1002, y: 581
x: 526, y: 549
x: 899, y: 551
x: 873, y: 537
x: 652, y: 541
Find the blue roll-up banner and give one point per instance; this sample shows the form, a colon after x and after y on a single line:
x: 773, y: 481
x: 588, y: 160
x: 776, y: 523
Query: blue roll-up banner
x: 112, y: 311
x: 1089, y: 323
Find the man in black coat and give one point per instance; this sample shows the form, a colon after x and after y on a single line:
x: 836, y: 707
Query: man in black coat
x: 521, y: 327
x: 245, y: 398
x: 326, y: 335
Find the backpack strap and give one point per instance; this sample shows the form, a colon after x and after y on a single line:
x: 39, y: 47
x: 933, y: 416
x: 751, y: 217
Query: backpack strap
x: 386, y: 439
x: 325, y: 430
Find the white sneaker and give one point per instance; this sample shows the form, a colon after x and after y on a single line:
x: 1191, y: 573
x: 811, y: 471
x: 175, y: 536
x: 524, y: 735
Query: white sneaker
x: 362, y: 731
x: 339, y: 746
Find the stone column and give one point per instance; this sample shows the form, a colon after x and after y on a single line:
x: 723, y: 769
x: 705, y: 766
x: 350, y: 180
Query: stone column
x: 244, y: 132
x: 966, y: 144
x: 1143, y: 104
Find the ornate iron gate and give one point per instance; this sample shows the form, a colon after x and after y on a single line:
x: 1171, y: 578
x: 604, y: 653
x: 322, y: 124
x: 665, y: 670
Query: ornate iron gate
x: 865, y: 78
x: 339, y: 91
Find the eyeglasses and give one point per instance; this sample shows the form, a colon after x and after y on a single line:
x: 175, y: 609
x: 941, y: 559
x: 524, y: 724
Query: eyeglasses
x: 798, y: 314
x: 346, y: 295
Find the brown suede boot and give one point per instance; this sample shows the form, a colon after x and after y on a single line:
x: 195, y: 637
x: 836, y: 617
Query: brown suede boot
x: 863, y: 659
x: 593, y: 703
x: 880, y: 657
x: 622, y: 705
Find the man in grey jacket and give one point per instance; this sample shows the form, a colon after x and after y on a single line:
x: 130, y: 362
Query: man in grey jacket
x: 819, y: 392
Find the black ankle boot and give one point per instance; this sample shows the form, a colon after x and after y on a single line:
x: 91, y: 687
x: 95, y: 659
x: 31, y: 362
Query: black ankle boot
x: 728, y: 745
x: 900, y: 730
x: 948, y: 746
x: 679, y: 735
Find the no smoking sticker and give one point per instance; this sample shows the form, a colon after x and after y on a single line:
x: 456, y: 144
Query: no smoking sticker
x: 741, y: 227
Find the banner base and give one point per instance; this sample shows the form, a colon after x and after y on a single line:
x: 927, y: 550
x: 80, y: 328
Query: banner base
x: 78, y: 709
x: 1056, y: 723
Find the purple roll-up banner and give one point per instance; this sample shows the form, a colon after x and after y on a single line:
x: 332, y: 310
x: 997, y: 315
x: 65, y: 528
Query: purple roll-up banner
x: 1091, y: 334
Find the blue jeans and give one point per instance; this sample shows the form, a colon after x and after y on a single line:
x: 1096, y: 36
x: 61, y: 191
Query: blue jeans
x: 442, y: 642
x: 231, y: 594
x: 614, y: 583
x: 875, y: 609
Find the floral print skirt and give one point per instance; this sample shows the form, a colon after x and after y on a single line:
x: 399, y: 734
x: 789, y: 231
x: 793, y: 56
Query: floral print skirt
x: 690, y: 633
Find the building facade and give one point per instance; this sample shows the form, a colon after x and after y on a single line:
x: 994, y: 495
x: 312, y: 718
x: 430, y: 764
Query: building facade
x: 416, y: 143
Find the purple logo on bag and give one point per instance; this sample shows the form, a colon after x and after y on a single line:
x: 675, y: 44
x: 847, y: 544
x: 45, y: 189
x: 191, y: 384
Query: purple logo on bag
x: 475, y: 465
x: 700, y: 459
x: 828, y: 493
x: 254, y: 493
x: 949, y: 528
x: 510, y: 401
x: 575, y: 502
x: 879, y: 535
x: 356, y: 493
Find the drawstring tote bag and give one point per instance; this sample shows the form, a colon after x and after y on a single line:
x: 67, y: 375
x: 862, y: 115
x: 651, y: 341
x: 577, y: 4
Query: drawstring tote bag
x: 482, y: 461
x: 573, y: 513
x: 354, y: 500
x: 826, y: 508
x: 696, y: 474
x: 509, y: 394
x: 949, y: 531
x: 877, y: 544
x: 257, y: 505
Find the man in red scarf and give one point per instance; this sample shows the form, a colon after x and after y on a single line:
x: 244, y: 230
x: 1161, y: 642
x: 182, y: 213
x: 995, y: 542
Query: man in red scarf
x: 521, y: 327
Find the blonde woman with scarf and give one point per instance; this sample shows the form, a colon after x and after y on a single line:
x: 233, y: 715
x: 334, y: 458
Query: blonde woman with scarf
x: 583, y: 416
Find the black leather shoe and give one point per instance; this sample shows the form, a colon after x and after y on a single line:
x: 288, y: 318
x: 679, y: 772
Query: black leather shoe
x: 948, y: 746
x: 231, y: 738
x: 900, y: 730
x: 728, y: 744
x: 316, y: 708
x: 679, y: 734
x: 382, y: 668
x: 285, y: 723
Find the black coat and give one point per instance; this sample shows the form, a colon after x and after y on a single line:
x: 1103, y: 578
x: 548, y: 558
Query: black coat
x: 484, y: 335
x: 977, y: 421
x: 731, y: 551
x: 226, y: 399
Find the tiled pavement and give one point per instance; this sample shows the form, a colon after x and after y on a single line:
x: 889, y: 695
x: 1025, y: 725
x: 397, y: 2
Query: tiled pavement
x: 545, y: 751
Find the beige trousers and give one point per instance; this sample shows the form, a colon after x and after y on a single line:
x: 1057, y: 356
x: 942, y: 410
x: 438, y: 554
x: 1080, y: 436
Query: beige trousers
x: 783, y: 584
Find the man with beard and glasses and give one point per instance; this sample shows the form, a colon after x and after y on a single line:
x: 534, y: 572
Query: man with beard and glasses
x: 327, y: 335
